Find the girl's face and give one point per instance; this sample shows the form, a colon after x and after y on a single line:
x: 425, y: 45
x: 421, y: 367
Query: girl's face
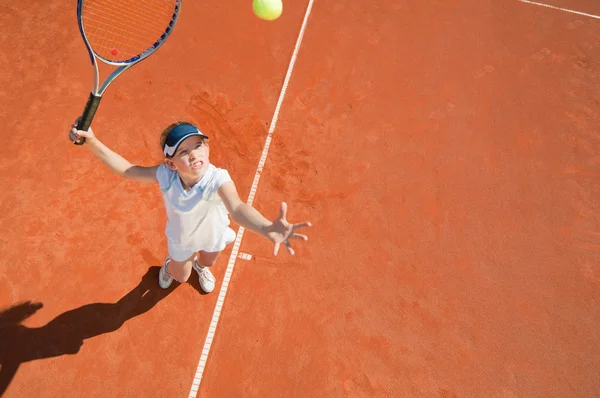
x: 191, y: 159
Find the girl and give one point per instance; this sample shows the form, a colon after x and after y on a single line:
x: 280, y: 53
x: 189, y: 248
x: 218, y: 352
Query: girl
x: 199, y: 198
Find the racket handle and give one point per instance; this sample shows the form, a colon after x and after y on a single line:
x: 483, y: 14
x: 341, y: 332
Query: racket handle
x: 88, y: 115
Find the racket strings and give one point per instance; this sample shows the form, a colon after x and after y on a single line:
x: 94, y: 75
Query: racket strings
x: 119, y: 30
x: 118, y: 19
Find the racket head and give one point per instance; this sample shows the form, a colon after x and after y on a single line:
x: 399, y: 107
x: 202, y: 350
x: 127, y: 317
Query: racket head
x: 124, y: 32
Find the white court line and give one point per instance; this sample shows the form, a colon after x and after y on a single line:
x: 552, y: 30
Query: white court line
x: 561, y: 9
x: 236, y: 247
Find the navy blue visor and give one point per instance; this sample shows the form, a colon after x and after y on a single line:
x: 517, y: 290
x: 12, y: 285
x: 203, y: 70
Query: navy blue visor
x: 177, y: 136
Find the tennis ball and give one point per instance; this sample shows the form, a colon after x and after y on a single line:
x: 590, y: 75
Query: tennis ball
x: 267, y: 9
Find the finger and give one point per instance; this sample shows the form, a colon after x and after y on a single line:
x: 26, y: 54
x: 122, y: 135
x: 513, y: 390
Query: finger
x: 79, y: 131
x: 302, y: 225
x: 289, y: 247
x: 276, y: 248
x: 283, y: 210
x: 299, y: 236
x: 74, y: 138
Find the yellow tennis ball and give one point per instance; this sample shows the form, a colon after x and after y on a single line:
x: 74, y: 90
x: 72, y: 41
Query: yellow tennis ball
x: 267, y: 9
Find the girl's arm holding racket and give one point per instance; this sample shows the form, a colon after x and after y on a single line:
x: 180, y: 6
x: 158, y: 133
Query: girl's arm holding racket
x: 115, y: 162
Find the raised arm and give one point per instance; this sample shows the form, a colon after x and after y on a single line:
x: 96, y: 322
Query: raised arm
x: 115, y: 162
x: 279, y: 231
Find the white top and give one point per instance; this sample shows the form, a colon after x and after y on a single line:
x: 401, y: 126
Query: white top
x: 197, y: 219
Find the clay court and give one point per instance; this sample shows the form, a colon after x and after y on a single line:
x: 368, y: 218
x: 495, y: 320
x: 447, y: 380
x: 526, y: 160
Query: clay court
x: 446, y: 153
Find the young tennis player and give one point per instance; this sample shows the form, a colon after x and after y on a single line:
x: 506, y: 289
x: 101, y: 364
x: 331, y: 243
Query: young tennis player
x: 198, y: 198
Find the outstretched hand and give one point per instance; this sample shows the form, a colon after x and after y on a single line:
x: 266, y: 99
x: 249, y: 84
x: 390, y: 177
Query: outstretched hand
x: 281, y: 231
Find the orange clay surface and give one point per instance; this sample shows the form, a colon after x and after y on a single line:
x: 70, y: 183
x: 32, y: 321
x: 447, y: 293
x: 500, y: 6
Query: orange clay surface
x: 446, y: 153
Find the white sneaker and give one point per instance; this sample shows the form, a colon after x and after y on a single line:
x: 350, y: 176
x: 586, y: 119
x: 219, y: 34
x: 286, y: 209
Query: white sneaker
x: 206, y: 278
x: 164, y: 279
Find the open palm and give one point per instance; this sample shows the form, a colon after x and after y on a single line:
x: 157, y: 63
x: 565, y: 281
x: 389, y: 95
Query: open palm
x: 281, y: 231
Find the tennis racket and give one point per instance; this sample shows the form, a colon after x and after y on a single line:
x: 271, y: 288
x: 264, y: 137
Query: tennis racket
x: 120, y: 33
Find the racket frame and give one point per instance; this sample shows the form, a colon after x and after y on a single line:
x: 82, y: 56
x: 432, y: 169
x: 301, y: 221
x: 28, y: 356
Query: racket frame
x: 98, y: 90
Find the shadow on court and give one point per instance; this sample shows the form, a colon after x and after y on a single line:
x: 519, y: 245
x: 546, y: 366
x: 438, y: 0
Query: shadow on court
x: 66, y: 333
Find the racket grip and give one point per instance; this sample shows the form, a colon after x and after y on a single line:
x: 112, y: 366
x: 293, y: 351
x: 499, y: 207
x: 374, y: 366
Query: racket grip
x: 88, y: 115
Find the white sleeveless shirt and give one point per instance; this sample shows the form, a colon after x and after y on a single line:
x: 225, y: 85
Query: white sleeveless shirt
x: 197, y: 219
